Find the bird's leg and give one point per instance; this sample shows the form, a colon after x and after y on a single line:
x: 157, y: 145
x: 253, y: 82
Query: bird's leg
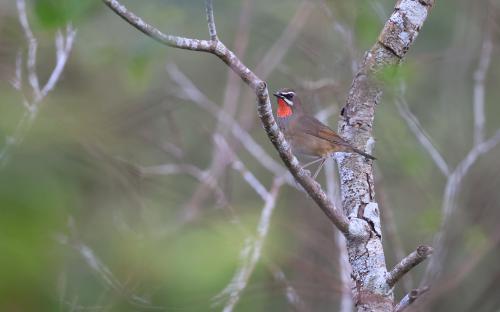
x: 319, y: 167
x: 311, y: 163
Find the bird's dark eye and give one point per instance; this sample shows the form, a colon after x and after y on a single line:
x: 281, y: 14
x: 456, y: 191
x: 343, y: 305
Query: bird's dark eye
x: 288, y: 95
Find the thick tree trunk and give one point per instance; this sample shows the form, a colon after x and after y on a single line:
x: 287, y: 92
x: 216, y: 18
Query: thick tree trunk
x: 369, y: 272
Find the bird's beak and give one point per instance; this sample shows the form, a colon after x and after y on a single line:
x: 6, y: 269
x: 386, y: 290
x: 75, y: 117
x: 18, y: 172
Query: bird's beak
x: 276, y: 94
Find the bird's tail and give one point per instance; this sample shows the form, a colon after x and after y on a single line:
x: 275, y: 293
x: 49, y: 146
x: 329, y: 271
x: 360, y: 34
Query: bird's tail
x: 363, y: 153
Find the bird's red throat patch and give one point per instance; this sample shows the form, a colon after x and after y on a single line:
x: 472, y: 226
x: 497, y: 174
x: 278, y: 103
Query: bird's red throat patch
x: 284, y: 110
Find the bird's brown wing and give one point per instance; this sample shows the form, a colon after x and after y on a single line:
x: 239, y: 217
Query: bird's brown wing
x: 314, y: 127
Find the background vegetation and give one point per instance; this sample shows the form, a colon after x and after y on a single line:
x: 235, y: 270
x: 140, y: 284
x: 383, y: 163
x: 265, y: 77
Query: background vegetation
x: 81, y: 229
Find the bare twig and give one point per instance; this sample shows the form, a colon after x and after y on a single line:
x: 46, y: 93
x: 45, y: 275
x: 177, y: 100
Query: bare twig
x: 449, y: 203
x: 456, y: 177
x: 201, y: 175
x: 105, y: 274
x: 421, y: 135
x: 347, y: 35
x: 357, y: 178
x: 233, y: 86
x: 479, y: 77
x: 290, y: 292
x: 192, y: 93
x: 267, y: 64
x: 17, y: 81
x: 455, y: 279
x: 210, y: 20
x: 282, y: 44
x: 63, y: 48
x: 238, y: 165
x: 64, y: 44
x: 173, y: 41
x: 32, y: 48
x: 409, y: 298
x: 408, y: 263
x: 250, y: 254
x: 366, y: 253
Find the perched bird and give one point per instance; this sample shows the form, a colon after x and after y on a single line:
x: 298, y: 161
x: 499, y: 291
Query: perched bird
x: 308, y: 136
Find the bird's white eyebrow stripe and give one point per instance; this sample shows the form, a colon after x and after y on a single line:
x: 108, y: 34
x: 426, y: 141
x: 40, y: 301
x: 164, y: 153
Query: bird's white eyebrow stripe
x: 287, y: 93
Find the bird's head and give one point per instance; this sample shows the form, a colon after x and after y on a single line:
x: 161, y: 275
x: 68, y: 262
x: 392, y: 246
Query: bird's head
x: 287, y: 102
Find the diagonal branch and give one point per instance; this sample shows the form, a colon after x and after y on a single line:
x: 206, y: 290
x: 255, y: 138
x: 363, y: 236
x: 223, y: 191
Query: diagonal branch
x: 63, y: 48
x: 422, y: 136
x: 410, y: 298
x: 363, y: 227
x: 192, y: 93
x: 264, y: 109
x: 408, y: 263
x: 251, y: 252
x: 452, y: 189
x: 203, y: 176
x: 238, y: 165
x: 233, y: 98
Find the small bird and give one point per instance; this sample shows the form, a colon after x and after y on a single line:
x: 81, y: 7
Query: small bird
x: 307, y: 135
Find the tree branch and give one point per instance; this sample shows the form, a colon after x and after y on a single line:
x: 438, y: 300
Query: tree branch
x: 192, y: 93
x: 266, y: 65
x: 421, y: 135
x: 479, y: 77
x: 32, y: 48
x: 366, y: 253
x: 173, y: 41
x: 203, y: 176
x: 263, y: 105
x: 238, y: 165
x: 64, y: 44
x: 410, y: 298
x: 408, y: 263
x: 365, y: 250
x: 210, y: 20
x: 251, y: 252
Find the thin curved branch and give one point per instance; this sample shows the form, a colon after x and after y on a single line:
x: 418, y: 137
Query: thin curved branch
x: 150, y: 31
x: 105, y: 274
x: 422, y: 136
x: 202, y: 176
x: 408, y: 263
x: 238, y: 165
x: 264, y: 67
x: 192, y: 93
x: 217, y: 48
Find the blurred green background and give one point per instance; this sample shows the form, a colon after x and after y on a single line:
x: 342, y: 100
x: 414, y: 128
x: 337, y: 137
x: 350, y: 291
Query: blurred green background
x: 82, y: 230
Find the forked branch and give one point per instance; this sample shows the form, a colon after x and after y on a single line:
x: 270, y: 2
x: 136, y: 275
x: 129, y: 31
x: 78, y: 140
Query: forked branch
x: 216, y: 47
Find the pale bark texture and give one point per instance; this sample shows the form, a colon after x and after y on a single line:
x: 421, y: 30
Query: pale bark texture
x: 366, y: 255
x: 360, y: 219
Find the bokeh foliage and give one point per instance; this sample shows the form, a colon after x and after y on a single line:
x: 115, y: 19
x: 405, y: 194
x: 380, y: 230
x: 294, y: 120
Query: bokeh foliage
x: 71, y: 186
